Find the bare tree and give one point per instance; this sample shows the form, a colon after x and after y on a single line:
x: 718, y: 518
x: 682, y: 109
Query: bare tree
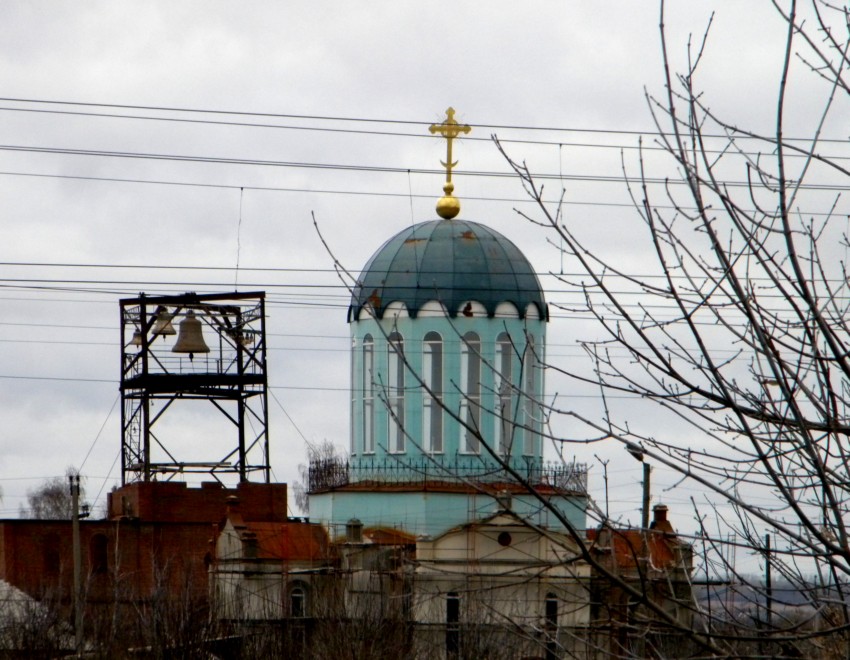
x: 51, y: 500
x: 659, y: 618
x: 736, y: 330
x: 322, y: 453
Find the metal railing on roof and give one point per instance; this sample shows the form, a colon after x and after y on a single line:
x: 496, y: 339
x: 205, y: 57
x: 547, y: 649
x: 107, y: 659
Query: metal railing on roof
x: 331, y: 473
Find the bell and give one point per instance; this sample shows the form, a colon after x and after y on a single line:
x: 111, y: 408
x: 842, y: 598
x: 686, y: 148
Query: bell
x: 137, y: 338
x: 240, y: 337
x: 162, y: 324
x: 191, y: 337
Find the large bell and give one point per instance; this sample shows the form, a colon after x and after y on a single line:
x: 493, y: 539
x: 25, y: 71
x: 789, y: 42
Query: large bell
x: 162, y: 324
x: 191, y: 337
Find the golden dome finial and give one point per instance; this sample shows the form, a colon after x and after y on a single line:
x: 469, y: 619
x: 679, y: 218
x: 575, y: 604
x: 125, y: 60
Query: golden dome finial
x: 448, y: 206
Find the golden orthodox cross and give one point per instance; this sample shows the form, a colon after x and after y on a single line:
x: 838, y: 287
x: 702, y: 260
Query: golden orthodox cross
x: 449, y: 129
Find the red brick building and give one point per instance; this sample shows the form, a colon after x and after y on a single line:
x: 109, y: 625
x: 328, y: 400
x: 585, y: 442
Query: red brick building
x: 157, y: 535
x: 658, y: 565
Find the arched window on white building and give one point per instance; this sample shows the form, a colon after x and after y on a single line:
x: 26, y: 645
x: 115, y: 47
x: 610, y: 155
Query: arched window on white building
x: 395, y: 392
x: 298, y: 606
x: 432, y: 373
x: 504, y: 408
x: 470, y: 388
x: 551, y: 627
x: 452, y: 624
x: 368, y: 388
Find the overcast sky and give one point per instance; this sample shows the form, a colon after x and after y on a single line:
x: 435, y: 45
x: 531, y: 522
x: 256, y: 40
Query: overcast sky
x: 290, y: 86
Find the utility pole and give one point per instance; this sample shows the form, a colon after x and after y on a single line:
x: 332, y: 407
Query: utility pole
x: 645, y: 512
x: 605, y: 479
x: 768, y: 585
x: 74, y: 480
x: 638, y: 454
x: 764, y: 634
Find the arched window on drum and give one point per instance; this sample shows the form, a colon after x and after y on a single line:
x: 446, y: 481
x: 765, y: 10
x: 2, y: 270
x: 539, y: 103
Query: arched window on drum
x: 368, y: 388
x: 354, y: 396
x: 395, y: 392
x: 531, y: 403
x: 504, y: 394
x: 432, y: 373
x: 470, y: 387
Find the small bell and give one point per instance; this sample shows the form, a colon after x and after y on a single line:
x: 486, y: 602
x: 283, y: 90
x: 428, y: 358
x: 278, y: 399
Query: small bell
x: 162, y: 325
x: 137, y: 338
x: 191, y: 337
x: 245, y: 339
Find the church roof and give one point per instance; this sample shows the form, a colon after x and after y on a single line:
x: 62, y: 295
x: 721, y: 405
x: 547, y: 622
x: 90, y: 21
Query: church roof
x: 289, y: 541
x: 452, y: 261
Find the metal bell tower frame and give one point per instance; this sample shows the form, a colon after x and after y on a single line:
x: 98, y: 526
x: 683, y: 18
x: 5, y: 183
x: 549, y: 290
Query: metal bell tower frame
x: 219, y: 356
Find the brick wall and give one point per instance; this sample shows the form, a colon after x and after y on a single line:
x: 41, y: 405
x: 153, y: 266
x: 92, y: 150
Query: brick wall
x: 158, y: 533
x: 175, y: 502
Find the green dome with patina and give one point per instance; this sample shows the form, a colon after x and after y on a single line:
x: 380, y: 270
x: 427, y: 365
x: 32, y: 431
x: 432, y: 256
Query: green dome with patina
x: 453, y: 262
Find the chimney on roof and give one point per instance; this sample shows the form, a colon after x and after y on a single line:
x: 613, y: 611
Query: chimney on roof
x: 660, y: 522
x: 503, y: 500
x: 354, y: 531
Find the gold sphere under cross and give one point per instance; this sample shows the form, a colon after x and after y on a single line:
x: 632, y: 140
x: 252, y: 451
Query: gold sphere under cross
x: 448, y: 206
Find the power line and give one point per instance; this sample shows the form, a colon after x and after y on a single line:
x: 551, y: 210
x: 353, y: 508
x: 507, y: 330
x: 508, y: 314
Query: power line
x: 330, y: 296
x: 289, y: 388
x: 384, y: 169
x: 418, y: 135
x: 311, y: 191
x: 372, y: 120
x: 359, y: 193
x: 68, y: 264
x: 634, y: 275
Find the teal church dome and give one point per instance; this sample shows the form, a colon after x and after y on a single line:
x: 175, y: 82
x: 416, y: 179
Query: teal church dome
x: 447, y: 336
x: 448, y: 341
x: 451, y: 261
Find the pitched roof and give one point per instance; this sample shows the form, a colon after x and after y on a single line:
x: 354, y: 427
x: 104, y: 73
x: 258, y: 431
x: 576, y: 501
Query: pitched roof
x: 289, y: 541
x: 627, y: 546
x: 14, y: 603
x: 388, y: 536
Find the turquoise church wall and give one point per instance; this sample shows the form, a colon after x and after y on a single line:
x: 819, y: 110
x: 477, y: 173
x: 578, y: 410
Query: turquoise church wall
x: 522, y: 412
x: 432, y: 513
